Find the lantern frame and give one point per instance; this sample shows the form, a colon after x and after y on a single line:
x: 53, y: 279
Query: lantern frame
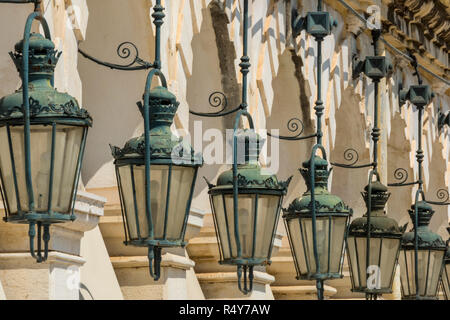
x: 31, y: 112
x: 136, y: 153
x: 445, y: 275
x: 328, y: 205
x: 253, y: 183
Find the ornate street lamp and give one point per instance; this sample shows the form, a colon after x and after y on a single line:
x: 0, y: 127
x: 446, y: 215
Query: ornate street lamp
x: 42, y: 139
x: 420, y: 270
x: 317, y: 222
x: 446, y: 271
x: 384, y: 245
x: 317, y: 230
x: 373, y: 240
x: 156, y: 175
x: 156, y: 172
x: 246, y: 202
x: 422, y: 251
x: 246, y: 205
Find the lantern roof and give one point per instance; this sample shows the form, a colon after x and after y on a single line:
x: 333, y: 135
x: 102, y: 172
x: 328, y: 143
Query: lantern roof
x: 37, y: 44
x: 250, y: 175
x: 45, y: 102
x: 162, y: 93
x: 426, y: 238
x: 380, y: 224
x: 164, y: 145
x: 325, y: 201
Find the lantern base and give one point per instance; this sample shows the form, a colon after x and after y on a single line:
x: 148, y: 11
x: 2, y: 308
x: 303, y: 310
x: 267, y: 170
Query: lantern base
x: 156, y: 243
x: 320, y: 276
x: 419, y: 298
x: 44, y: 217
x: 246, y: 262
x: 372, y: 291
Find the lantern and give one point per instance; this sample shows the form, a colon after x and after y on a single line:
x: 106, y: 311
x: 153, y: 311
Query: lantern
x: 173, y: 171
x: 41, y: 145
x: 332, y: 218
x: 246, y: 226
x: 385, y: 238
x: 430, y: 256
x: 446, y: 271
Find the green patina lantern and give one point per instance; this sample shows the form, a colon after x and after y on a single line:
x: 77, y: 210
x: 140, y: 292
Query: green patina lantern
x: 430, y: 257
x: 246, y: 224
x: 446, y: 271
x: 384, y: 244
x: 331, y: 223
x: 41, y: 143
x: 155, y: 215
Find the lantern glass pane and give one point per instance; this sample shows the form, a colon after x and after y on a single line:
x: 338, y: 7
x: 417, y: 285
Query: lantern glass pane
x: 266, y: 212
x: 132, y: 179
x: 297, y: 246
x: 246, y: 215
x: 429, y: 268
x: 65, y: 160
x: 330, y: 233
x: 446, y: 280
x: 383, y: 254
x: 180, y: 190
x: 222, y: 227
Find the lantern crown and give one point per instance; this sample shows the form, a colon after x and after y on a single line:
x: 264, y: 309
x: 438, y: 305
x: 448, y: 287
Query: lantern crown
x: 164, y: 145
x: 44, y: 100
x: 378, y: 198
x: 250, y: 174
x: 380, y: 224
x: 325, y: 202
x: 42, y: 56
x: 426, y: 238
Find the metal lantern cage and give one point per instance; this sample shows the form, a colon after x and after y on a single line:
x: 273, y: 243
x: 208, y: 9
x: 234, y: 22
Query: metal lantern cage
x: 246, y: 204
x: 445, y: 278
x: 316, y: 225
x: 42, y: 139
x: 420, y: 269
x: 156, y: 175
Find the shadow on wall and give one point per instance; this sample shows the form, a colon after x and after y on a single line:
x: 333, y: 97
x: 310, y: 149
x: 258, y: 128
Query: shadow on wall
x: 350, y: 133
x: 439, y: 222
x: 12, y: 24
x: 110, y: 95
x: 204, y: 80
x: 291, y: 100
x: 399, y: 150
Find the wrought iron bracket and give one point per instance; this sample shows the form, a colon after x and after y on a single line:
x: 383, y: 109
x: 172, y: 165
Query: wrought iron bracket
x: 352, y: 156
x: 443, y: 196
x: 217, y: 99
x: 123, y: 51
x: 401, y: 174
x: 296, y: 126
x: 318, y: 24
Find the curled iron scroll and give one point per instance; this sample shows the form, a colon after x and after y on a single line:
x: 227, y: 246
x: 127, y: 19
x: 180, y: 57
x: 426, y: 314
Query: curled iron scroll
x: 296, y: 126
x: 217, y: 99
x: 443, y: 196
x: 352, y: 157
x: 401, y: 175
x: 125, y: 50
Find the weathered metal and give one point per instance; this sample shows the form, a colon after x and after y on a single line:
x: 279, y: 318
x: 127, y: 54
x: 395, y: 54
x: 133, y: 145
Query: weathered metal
x: 38, y: 108
x: 160, y: 152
